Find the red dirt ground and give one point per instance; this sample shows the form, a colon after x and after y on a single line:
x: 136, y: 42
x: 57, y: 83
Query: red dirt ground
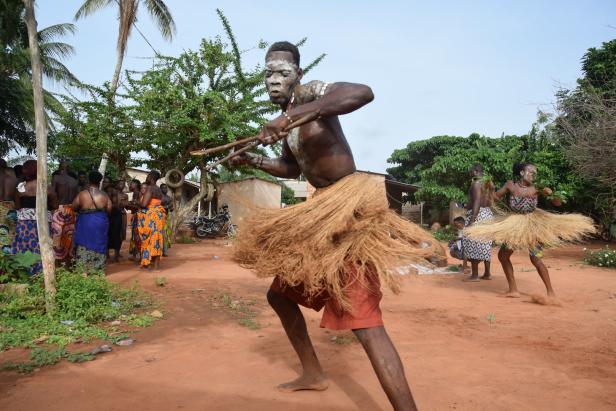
x: 528, y: 356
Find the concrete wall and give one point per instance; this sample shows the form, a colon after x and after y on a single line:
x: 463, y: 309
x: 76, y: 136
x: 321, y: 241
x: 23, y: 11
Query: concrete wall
x: 247, y: 196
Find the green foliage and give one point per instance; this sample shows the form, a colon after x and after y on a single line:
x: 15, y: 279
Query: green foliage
x: 15, y: 268
x: 605, y: 257
x: 288, y: 195
x: 40, y: 357
x: 440, y: 165
x: 185, y: 239
x: 16, y: 104
x: 82, y: 303
x: 237, y: 308
x: 202, y: 98
x: 144, y: 320
x: 599, y: 68
x: 94, y: 126
x: 446, y: 233
x: 586, y: 124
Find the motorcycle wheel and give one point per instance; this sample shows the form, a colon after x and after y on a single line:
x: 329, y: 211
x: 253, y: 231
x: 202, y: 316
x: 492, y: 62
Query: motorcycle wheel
x: 204, y: 230
x: 231, y: 230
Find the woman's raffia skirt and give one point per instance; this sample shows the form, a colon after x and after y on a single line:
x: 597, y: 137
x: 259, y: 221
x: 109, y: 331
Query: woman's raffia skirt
x: 525, y: 231
x: 311, y: 243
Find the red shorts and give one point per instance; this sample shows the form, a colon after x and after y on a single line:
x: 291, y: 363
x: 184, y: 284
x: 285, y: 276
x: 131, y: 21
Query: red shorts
x: 364, y: 300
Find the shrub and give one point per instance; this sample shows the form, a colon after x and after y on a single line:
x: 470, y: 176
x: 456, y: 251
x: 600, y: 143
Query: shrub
x: 604, y: 257
x: 16, y: 268
x: 446, y: 233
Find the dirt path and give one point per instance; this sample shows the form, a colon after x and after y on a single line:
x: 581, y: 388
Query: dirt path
x: 463, y: 347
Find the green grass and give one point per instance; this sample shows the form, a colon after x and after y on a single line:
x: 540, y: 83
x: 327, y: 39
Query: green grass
x: 84, y: 308
x: 185, y: 239
x: 238, y: 308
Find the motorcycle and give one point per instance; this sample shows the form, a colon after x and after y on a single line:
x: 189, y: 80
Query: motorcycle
x: 205, y: 227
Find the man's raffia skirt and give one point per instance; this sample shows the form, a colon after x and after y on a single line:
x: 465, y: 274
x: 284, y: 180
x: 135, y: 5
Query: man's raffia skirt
x: 525, y: 231
x: 311, y: 243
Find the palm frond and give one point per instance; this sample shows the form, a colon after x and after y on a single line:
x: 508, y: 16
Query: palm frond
x: 57, y: 30
x: 56, y: 50
x: 162, y: 17
x: 54, y: 70
x: 90, y: 7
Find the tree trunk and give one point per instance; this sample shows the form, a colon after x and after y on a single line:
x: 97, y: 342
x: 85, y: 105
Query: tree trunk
x: 102, y: 168
x: 182, y: 211
x: 47, y: 255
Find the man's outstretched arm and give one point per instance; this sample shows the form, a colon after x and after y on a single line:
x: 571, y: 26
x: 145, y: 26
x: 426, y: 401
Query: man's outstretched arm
x: 284, y: 166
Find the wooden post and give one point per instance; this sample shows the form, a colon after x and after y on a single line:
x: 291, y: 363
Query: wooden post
x: 47, y: 255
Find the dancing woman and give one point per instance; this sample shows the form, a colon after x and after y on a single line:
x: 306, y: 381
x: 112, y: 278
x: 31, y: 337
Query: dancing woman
x: 526, y: 227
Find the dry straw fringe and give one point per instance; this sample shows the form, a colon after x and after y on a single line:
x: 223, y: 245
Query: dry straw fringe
x: 313, y: 243
x: 523, y: 231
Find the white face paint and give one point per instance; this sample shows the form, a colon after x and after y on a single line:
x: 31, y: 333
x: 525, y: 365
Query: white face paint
x: 281, y: 77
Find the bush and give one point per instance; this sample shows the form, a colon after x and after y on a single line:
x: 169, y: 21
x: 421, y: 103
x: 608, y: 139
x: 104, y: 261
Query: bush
x: 604, y: 257
x: 16, y: 268
x: 82, y: 303
x: 446, y: 233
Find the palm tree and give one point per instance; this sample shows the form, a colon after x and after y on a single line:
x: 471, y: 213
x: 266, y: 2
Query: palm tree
x: 17, y: 106
x: 127, y: 15
x: 47, y: 255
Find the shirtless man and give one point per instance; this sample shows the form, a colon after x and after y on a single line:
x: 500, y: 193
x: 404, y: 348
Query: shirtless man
x: 134, y: 205
x: 478, y: 209
x: 319, y: 151
x: 8, y: 184
x: 82, y: 180
x: 64, y: 218
x: 65, y: 186
x: 122, y: 203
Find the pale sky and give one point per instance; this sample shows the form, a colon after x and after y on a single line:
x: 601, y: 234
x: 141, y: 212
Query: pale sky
x: 446, y: 67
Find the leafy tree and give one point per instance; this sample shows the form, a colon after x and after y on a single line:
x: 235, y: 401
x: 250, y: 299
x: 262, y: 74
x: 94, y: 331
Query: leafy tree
x: 586, y: 127
x: 16, y: 104
x: 127, y: 16
x: 201, y: 99
x: 441, y: 165
x: 87, y: 126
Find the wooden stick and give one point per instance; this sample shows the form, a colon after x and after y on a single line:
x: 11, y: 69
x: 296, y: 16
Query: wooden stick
x: 300, y: 122
x: 232, y: 154
x: 223, y: 147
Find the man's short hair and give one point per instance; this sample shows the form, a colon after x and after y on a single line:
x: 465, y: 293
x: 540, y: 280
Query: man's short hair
x: 285, y: 46
x: 95, y: 177
x: 459, y: 219
x: 478, y: 167
x: 155, y: 174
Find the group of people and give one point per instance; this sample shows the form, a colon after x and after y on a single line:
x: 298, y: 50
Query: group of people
x: 87, y: 219
x: 519, y: 225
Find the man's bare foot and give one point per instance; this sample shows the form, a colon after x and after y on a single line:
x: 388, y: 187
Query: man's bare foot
x: 510, y: 294
x: 486, y: 277
x: 319, y: 383
x: 471, y: 279
x: 545, y: 300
